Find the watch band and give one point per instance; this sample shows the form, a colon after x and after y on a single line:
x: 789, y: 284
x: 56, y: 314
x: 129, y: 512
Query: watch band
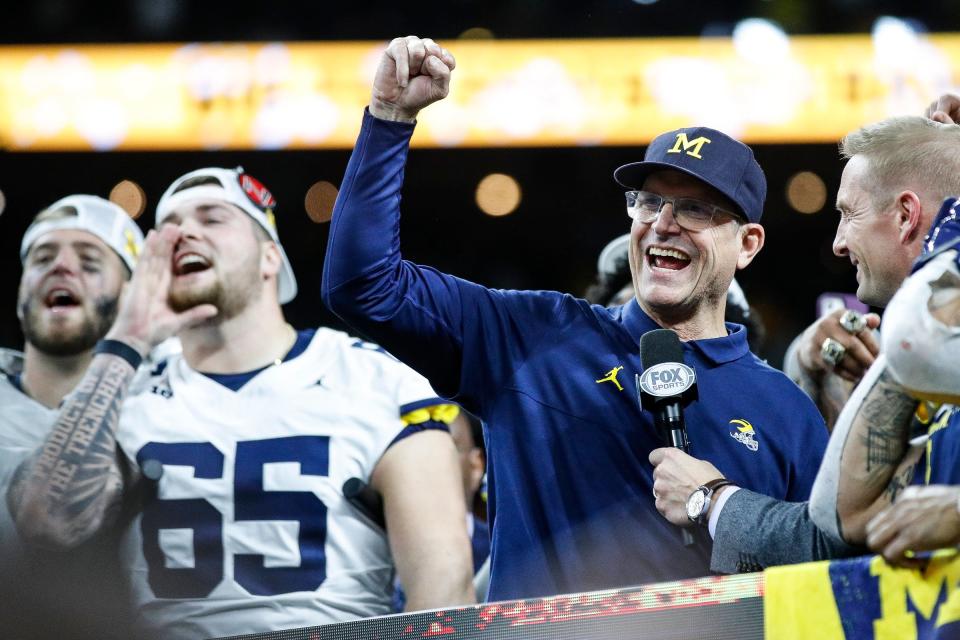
x: 713, y: 485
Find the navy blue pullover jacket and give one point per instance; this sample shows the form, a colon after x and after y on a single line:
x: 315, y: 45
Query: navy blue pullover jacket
x: 570, y: 484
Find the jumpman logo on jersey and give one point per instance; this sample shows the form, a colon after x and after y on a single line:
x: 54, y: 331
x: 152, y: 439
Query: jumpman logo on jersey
x: 611, y: 376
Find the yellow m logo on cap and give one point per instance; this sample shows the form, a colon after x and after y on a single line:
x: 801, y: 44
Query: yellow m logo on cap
x: 691, y: 147
x: 132, y: 248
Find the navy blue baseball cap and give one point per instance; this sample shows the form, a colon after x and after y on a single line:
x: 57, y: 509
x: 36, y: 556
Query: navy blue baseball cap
x: 725, y: 164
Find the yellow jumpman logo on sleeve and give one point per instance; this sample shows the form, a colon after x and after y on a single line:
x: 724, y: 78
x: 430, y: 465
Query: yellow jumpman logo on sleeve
x: 611, y: 376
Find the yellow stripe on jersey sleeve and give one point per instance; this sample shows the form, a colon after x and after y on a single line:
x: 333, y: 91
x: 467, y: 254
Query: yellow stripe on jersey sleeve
x: 445, y: 413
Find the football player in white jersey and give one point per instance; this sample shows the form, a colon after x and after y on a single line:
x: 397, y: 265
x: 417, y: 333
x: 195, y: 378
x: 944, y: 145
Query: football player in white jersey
x: 77, y: 255
x: 250, y: 435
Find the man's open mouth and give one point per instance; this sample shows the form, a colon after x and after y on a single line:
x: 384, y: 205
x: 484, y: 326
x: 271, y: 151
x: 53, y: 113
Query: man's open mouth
x: 60, y: 298
x: 188, y: 263
x: 664, y: 258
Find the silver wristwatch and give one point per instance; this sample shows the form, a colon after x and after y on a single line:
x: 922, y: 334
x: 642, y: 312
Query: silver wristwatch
x: 698, y: 504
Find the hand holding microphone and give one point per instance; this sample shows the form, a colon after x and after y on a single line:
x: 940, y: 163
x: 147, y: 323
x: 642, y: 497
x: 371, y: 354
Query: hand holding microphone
x: 666, y: 386
x: 676, y: 476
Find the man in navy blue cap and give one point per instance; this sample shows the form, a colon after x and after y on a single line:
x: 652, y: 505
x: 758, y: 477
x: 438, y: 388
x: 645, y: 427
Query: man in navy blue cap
x: 696, y: 201
x: 570, y: 492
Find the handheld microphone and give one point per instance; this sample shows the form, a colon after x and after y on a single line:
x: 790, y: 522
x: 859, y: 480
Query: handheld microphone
x: 666, y: 386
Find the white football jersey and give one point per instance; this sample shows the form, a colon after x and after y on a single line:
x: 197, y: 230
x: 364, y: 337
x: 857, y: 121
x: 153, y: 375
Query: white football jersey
x: 24, y: 425
x: 247, y: 529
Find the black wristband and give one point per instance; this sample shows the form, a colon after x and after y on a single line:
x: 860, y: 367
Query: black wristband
x: 121, y: 349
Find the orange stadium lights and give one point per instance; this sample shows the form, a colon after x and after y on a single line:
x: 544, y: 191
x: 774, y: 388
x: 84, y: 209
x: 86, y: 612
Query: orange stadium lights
x: 130, y: 197
x: 476, y: 33
x: 498, y: 194
x: 761, y: 86
x: 806, y: 192
x: 319, y: 201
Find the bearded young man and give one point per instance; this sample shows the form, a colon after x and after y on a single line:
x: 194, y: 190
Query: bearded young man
x: 247, y: 438
x: 77, y: 257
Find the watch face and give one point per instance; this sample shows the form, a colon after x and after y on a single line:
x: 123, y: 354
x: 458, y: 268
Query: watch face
x: 695, y: 504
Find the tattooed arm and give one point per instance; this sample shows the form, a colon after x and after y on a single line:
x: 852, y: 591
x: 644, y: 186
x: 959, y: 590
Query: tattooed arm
x: 72, y: 486
x: 869, y: 459
x: 877, y: 462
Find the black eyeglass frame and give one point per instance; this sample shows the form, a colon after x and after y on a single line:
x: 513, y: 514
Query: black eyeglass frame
x: 681, y: 210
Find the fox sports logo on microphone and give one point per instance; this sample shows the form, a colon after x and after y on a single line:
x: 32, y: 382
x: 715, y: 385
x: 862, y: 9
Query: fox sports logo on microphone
x: 667, y: 379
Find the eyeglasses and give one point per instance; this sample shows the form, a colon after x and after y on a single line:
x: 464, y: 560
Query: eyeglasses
x: 691, y: 214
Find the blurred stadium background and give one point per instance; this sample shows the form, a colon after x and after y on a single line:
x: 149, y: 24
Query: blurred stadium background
x: 511, y: 184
